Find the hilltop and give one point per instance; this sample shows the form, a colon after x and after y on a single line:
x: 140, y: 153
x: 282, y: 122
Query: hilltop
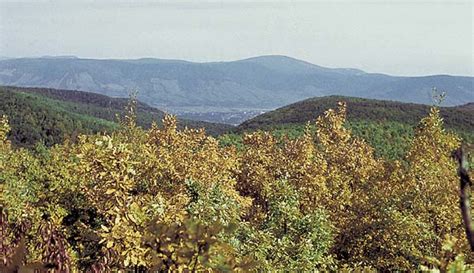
x: 51, y: 115
x: 358, y: 109
x: 388, y: 126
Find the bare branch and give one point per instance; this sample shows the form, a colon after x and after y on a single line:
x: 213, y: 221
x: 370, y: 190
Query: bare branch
x: 465, y: 193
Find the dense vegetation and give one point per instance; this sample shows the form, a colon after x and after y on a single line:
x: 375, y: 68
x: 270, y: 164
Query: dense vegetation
x: 390, y: 139
x: 459, y: 118
x: 387, y: 126
x: 49, y: 116
x: 168, y: 199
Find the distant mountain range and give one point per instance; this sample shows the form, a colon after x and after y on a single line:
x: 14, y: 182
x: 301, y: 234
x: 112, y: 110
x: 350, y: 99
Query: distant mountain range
x: 265, y: 82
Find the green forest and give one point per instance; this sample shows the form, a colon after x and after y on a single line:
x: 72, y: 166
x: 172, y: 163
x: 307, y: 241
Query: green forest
x: 40, y: 116
x: 49, y: 116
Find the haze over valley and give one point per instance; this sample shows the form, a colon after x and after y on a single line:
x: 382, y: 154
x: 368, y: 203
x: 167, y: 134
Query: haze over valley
x: 228, y: 92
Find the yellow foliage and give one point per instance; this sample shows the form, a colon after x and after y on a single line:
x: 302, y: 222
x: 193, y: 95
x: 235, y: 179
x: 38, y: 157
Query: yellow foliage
x: 169, y: 199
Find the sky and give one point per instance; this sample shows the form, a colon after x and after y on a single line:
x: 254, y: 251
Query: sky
x: 394, y: 37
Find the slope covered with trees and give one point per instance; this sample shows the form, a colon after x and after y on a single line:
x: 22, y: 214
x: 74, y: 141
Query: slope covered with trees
x: 49, y: 116
x: 459, y: 118
x: 165, y: 199
x: 387, y: 126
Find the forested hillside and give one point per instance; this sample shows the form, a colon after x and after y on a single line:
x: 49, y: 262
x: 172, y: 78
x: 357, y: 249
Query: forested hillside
x: 387, y: 126
x: 50, y: 115
x: 460, y: 118
x: 165, y: 199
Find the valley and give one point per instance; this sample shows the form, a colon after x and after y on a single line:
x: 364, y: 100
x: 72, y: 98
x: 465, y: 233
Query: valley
x: 264, y: 82
x: 49, y: 116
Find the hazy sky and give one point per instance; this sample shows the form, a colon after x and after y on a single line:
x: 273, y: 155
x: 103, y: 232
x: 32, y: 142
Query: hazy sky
x: 394, y: 37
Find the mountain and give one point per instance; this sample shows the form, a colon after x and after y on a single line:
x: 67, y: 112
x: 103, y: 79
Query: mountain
x: 468, y: 106
x: 51, y: 115
x: 253, y: 84
x: 287, y: 65
x: 460, y: 118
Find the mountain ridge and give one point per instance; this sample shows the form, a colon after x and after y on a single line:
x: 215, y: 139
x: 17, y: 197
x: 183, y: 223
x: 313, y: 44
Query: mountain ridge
x: 262, y: 82
x: 388, y: 126
x: 456, y: 117
x: 52, y: 115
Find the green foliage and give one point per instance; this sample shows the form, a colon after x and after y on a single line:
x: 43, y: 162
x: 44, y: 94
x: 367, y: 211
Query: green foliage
x: 35, y: 119
x: 50, y: 116
x: 387, y: 126
x: 391, y: 140
x: 458, y: 118
x: 288, y: 239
